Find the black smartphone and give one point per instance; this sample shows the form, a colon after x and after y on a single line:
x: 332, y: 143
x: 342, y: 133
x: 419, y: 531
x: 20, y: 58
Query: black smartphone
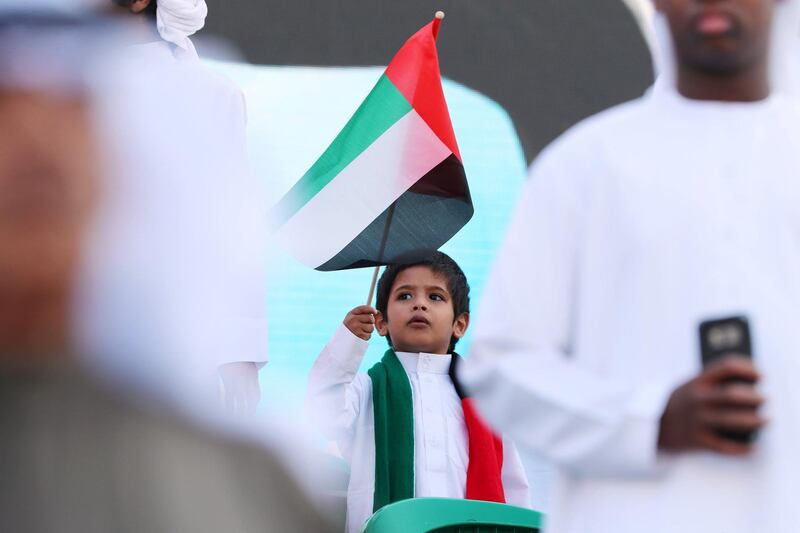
x: 722, y: 337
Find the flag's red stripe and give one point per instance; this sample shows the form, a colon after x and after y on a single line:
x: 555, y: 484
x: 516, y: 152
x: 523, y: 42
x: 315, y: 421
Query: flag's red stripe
x: 415, y: 73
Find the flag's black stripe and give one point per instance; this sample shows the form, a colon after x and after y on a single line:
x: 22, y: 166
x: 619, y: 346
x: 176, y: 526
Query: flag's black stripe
x: 425, y: 217
x: 447, y: 179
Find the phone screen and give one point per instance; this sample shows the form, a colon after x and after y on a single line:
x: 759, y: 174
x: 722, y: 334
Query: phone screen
x: 725, y: 336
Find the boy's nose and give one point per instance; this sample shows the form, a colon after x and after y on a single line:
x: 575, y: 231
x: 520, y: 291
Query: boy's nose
x: 418, y: 307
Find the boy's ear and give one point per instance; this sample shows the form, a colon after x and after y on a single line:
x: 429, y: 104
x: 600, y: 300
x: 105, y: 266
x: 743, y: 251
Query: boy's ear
x: 460, y: 325
x: 381, y: 325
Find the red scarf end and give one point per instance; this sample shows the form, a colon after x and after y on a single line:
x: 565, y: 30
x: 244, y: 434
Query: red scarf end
x: 484, y: 473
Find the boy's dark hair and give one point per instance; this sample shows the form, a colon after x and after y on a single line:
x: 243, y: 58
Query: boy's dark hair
x: 440, y: 263
x: 149, y: 10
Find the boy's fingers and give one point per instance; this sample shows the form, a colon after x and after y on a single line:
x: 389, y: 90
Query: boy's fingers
x: 360, y: 321
x: 363, y: 310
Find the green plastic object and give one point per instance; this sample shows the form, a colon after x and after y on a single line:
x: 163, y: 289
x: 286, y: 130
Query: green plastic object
x: 444, y: 515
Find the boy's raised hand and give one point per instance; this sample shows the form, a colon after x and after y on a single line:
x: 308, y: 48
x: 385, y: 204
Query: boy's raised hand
x: 361, y: 321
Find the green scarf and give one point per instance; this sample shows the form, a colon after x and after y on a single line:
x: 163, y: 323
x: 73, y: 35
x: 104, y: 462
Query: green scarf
x: 394, y: 449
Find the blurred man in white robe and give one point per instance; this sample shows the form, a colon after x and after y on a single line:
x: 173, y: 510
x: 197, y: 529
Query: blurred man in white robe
x: 77, y: 455
x: 636, y: 226
x: 206, y: 129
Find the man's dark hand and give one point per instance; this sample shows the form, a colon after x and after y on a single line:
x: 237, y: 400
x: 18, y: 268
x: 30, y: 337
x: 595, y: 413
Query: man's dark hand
x: 721, y: 399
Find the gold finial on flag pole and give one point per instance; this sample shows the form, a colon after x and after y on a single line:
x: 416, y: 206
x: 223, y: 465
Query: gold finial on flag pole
x: 437, y: 21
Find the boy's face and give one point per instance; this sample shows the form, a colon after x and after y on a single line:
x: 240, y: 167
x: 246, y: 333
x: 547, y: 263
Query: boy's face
x: 420, y: 316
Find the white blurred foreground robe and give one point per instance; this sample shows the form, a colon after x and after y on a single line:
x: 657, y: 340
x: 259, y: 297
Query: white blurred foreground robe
x: 635, y: 226
x: 175, y: 281
x: 224, y: 107
x: 340, y: 401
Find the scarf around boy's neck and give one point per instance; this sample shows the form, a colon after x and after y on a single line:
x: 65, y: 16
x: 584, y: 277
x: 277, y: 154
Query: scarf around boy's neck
x: 393, y: 407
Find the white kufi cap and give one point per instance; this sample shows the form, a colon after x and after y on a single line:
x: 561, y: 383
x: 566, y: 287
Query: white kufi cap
x: 177, y: 20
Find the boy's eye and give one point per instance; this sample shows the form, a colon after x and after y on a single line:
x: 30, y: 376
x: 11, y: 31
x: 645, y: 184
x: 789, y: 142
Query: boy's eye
x: 404, y: 296
x: 437, y: 297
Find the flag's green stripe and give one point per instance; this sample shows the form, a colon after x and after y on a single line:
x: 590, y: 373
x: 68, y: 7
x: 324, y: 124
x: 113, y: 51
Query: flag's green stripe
x: 384, y: 106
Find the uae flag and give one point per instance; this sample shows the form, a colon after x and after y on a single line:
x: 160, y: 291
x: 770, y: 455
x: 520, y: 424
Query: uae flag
x: 391, y: 185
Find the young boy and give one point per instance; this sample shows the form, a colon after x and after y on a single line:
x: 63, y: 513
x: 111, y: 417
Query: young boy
x: 405, y: 428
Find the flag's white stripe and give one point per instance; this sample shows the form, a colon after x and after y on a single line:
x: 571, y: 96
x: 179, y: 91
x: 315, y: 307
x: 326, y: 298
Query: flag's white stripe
x: 362, y: 191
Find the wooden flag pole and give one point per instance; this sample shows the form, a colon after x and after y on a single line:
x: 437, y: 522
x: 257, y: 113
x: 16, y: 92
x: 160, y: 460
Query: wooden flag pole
x: 438, y: 17
x: 372, y: 286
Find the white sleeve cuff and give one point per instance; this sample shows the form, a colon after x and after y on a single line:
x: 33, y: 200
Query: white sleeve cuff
x: 646, y: 408
x: 245, y: 340
x: 633, y: 448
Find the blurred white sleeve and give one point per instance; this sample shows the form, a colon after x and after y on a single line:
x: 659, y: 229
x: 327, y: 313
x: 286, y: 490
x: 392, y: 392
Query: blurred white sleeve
x: 336, y: 391
x: 515, y: 480
x: 523, y: 371
x: 245, y: 321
